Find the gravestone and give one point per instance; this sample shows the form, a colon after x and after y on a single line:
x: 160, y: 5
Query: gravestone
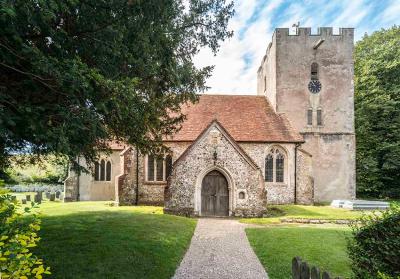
x: 58, y: 194
x: 13, y: 198
x: 23, y: 201
x: 28, y: 197
x: 38, y: 198
x: 52, y: 197
x: 48, y: 195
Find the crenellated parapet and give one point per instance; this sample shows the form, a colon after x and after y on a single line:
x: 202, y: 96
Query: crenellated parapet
x: 321, y: 31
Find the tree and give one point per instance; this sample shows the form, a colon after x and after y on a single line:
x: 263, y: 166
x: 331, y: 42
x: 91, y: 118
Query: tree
x: 377, y: 111
x: 76, y: 74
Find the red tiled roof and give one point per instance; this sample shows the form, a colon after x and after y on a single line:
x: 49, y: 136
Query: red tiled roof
x: 247, y: 118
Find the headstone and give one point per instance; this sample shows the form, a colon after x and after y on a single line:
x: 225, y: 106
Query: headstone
x: 13, y: 198
x: 296, y: 271
x: 58, y: 194
x: 325, y: 275
x: 48, y: 195
x: 52, y: 197
x: 305, y: 270
x: 315, y: 273
x: 28, y: 197
x: 23, y: 201
x: 37, y: 198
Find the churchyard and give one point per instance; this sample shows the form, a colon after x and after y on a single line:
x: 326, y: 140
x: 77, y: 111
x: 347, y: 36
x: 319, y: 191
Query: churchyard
x: 99, y: 239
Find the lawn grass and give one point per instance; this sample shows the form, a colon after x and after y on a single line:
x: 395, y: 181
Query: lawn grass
x: 304, y: 212
x: 324, y: 247
x: 96, y: 240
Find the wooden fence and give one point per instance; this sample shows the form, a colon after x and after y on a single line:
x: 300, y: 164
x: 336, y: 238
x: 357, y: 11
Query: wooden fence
x: 301, y: 270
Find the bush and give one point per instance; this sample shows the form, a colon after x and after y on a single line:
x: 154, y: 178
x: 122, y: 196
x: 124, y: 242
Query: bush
x: 374, y: 249
x: 18, y: 235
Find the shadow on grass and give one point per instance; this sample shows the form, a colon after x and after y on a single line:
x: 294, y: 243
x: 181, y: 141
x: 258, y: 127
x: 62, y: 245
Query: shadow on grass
x: 104, y: 244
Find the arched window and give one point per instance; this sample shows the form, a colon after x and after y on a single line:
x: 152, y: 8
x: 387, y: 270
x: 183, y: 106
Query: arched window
x: 96, y: 171
x: 150, y: 168
x: 314, y: 71
x: 279, y: 159
x: 158, y: 168
x: 269, y: 168
x: 168, y: 165
x: 319, y: 117
x: 275, y: 166
x: 108, y: 171
x: 102, y: 170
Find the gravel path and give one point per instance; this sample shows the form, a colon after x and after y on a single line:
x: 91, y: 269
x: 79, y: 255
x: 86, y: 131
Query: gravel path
x: 220, y: 249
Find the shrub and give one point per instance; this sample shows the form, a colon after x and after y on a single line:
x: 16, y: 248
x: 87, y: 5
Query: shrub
x: 18, y: 235
x: 374, y: 249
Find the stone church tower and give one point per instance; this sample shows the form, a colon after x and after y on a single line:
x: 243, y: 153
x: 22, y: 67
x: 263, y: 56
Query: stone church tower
x: 310, y: 79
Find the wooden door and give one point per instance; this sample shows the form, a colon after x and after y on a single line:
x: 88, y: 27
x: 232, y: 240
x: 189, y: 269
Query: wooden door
x: 214, y: 195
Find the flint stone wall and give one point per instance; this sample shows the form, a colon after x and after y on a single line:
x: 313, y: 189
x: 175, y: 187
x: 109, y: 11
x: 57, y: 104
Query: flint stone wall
x: 183, y: 194
x: 150, y: 193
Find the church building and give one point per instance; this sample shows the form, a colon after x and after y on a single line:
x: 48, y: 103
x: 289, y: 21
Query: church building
x: 292, y: 142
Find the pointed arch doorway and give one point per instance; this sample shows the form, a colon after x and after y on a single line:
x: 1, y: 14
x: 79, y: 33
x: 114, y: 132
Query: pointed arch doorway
x: 214, y: 195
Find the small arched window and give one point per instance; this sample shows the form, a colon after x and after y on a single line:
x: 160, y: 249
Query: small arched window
x: 314, y: 71
x: 279, y: 166
x: 102, y: 170
x: 168, y: 165
x: 108, y: 171
x: 269, y: 168
x: 96, y: 171
x: 275, y: 166
x: 242, y: 195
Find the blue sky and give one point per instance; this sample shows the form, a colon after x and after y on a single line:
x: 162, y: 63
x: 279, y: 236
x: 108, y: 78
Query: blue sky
x: 239, y: 57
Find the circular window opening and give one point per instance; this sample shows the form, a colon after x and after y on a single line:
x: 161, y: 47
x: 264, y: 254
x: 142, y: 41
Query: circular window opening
x: 241, y: 195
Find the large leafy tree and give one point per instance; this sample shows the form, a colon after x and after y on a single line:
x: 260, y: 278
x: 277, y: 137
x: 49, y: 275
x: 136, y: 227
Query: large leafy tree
x: 377, y: 109
x: 77, y: 73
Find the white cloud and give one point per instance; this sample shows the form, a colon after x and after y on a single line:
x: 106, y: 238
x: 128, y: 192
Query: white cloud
x: 239, y: 57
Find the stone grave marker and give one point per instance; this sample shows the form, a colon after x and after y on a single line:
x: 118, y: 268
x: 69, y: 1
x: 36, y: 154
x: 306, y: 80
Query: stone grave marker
x: 52, y: 197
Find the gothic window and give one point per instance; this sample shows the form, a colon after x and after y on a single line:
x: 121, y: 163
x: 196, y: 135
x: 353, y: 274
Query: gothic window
x: 309, y: 116
x: 96, y: 171
x: 275, y: 166
x: 314, y: 71
x: 150, y: 168
x: 279, y: 167
x: 102, y: 170
x: 269, y: 168
x: 319, y: 117
x: 168, y: 165
x: 158, y: 168
x: 108, y: 171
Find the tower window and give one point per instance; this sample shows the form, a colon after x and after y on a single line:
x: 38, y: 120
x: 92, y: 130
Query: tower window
x: 314, y: 71
x: 309, y: 116
x: 319, y: 117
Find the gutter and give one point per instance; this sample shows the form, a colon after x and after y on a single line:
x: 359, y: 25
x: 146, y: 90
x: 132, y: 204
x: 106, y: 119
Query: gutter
x: 78, y: 195
x: 137, y: 176
x: 295, y: 171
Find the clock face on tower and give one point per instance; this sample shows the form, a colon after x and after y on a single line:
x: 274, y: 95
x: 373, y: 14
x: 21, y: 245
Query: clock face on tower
x: 314, y: 86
